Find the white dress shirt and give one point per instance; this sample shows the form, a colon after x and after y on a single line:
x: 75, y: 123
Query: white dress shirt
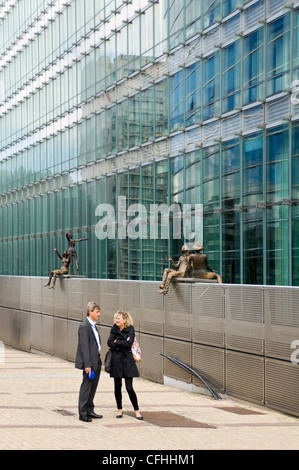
x: 95, y: 332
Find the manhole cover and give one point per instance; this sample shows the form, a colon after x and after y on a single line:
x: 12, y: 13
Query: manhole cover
x: 64, y: 412
x: 170, y: 420
x: 238, y: 410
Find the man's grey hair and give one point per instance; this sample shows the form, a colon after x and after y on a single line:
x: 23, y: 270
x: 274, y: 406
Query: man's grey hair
x: 91, y: 306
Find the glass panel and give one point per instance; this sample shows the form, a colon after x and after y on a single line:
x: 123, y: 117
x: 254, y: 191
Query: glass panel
x: 231, y: 77
x: 147, y: 115
x: 253, y: 246
x: 122, y: 53
x: 252, y: 170
x: 278, y: 55
x: 147, y: 37
x: 134, y: 244
x: 176, y: 23
x: 295, y: 55
x: 161, y: 108
x: 148, y: 244
x: 111, y: 243
x: 277, y: 165
x: 193, y: 17
x: 230, y: 5
x: 134, y: 45
x: 161, y: 27
x: 211, y: 240
x: 253, y: 66
x: 211, y: 12
x: 295, y: 247
x: 231, y: 247
x: 122, y: 238
x: 231, y: 175
x: 211, y: 180
x: 177, y: 98
x: 193, y: 95
x: 277, y: 245
x: 295, y: 163
x: 161, y: 197
x: 211, y: 86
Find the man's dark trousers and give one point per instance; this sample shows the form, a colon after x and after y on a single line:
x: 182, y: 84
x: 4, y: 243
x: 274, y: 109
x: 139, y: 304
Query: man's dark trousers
x: 87, y: 392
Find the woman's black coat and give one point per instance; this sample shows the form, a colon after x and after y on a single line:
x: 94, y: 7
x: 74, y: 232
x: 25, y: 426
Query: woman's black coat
x: 122, y: 361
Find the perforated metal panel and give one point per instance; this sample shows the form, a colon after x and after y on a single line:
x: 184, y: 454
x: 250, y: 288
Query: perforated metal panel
x: 47, y: 334
x: 210, y: 364
x: 12, y: 294
x: 244, y: 318
x: 75, y: 305
x: 36, y: 286
x: 15, y: 326
x: 151, y: 366
x: 208, y: 314
x: 25, y: 331
x: 180, y: 350
x: 129, y: 299
x: 110, y: 300
x: 281, y: 320
x: 245, y: 376
x: 49, y: 297
x: 91, y: 291
x: 60, y: 337
x: 178, y: 311
x: 24, y: 292
x: 72, y: 339
x: 36, y: 331
x: 152, y: 308
x: 282, y: 386
x: 5, y: 329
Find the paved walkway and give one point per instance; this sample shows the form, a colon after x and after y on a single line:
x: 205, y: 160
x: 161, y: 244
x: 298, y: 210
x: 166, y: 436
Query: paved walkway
x: 38, y: 401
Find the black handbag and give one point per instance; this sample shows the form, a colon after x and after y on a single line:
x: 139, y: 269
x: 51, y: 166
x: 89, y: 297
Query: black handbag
x: 107, y: 362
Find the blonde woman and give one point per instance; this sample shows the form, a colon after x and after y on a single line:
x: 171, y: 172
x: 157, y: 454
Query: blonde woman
x: 120, y: 341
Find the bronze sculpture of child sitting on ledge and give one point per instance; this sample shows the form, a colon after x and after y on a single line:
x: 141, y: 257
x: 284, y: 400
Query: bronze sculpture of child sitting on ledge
x: 59, y: 272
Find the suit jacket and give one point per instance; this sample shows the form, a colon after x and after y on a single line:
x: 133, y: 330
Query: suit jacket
x: 87, y: 351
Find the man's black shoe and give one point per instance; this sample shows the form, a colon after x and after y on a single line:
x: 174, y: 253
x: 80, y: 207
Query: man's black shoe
x: 86, y: 419
x: 95, y: 416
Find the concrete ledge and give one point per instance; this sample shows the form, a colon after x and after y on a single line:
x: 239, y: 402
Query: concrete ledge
x: 193, y: 279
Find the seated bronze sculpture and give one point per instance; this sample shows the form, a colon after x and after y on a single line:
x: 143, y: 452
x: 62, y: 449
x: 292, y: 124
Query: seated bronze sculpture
x: 182, y: 269
x: 59, y: 272
x: 199, y: 263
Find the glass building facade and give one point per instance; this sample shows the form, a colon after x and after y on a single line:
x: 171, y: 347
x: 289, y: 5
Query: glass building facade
x: 151, y: 102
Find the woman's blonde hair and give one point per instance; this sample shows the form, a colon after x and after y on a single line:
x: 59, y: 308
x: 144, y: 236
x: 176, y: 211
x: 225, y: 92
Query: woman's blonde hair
x: 126, y: 316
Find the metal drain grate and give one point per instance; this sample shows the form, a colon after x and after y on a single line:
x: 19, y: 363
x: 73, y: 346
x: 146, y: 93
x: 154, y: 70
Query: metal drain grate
x: 166, y: 419
x: 64, y: 412
x: 239, y: 411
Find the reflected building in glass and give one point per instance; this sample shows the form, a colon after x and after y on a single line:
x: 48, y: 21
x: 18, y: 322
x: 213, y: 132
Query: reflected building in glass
x: 158, y: 102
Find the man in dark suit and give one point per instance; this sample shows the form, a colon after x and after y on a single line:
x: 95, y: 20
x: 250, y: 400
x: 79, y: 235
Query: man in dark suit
x: 88, y: 359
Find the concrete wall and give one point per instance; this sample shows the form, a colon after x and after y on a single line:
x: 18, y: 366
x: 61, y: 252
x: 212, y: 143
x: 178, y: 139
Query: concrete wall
x: 239, y: 337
